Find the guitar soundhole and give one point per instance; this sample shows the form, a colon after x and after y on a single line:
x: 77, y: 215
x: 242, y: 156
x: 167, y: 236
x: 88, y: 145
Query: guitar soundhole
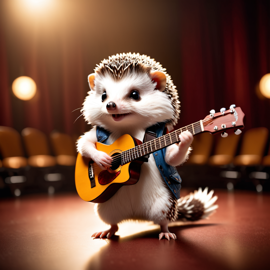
x: 116, y: 163
x: 106, y: 177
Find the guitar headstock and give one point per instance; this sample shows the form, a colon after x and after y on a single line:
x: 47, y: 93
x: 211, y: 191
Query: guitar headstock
x: 224, y: 120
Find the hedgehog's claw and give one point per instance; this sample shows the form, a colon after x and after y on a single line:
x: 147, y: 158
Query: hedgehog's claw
x: 106, y: 234
x: 167, y: 235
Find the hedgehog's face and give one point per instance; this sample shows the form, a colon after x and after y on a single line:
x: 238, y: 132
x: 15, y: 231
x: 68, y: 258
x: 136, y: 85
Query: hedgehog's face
x: 129, y: 103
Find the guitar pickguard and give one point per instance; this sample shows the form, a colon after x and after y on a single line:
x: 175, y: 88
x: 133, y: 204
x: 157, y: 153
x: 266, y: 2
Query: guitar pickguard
x: 106, y: 177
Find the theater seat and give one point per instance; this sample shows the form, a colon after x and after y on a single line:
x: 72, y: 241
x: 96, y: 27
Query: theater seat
x: 252, y: 148
x: 261, y: 176
x: 266, y: 159
x: 13, y: 159
x: 37, y: 147
x: 249, y: 159
x: 225, y: 150
x: 201, y: 149
x: 63, y: 148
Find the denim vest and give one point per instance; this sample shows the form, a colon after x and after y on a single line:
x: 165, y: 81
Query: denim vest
x: 168, y: 173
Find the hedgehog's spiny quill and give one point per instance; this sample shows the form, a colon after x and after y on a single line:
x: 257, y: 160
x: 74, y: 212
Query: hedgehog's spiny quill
x: 120, y: 64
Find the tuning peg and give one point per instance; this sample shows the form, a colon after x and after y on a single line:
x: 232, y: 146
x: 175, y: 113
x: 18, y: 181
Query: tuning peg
x: 212, y: 112
x: 232, y: 106
x: 222, y: 110
x: 224, y: 134
x: 237, y: 132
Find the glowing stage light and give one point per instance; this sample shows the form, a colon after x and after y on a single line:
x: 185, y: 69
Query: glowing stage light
x: 24, y: 88
x: 264, y: 85
x: 36, y: 4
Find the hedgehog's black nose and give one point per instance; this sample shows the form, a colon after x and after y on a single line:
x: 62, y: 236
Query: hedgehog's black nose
x: 111, y: 106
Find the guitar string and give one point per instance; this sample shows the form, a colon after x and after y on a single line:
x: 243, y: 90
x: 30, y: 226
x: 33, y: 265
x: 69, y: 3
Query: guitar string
x: 163, y: 141
x: 166, y: 141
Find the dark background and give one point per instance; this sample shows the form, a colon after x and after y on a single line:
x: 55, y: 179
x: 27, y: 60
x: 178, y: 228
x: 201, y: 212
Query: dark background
x: 215, y: 51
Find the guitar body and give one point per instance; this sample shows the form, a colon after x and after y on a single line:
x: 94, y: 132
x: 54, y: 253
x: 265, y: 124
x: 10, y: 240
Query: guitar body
x: 96, y: 185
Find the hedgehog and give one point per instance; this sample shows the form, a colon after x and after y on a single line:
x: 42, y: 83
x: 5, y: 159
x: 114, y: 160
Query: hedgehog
x: 133, y: 94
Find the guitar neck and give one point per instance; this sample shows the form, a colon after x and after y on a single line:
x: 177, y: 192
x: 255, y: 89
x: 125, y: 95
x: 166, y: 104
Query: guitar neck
x: 159, y: 143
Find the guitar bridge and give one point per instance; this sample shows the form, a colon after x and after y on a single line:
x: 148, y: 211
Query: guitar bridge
x: 91, y: 175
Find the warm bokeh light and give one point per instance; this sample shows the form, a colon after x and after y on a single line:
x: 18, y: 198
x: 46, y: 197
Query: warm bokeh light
x: 24, y: 88
x: 36, y: 4
x: 264, y: 85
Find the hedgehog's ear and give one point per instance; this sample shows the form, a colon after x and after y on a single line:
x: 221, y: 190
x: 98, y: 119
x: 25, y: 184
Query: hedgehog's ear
x: 91, y: 80
x: 159, y: 78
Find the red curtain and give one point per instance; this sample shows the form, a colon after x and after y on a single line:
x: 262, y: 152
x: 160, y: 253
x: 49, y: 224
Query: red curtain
x: 5, y: 105
x: 223, y: 51
x: 224, y: 54
x: 45, y: 51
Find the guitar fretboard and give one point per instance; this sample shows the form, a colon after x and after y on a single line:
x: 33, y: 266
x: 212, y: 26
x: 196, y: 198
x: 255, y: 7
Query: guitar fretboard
x: 158, y: 143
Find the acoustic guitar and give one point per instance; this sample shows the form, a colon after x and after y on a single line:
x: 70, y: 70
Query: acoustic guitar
x: 96, y: 185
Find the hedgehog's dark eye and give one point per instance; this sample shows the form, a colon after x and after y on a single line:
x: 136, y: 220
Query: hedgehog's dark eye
x: 135, y: 95
x: 103, y: 96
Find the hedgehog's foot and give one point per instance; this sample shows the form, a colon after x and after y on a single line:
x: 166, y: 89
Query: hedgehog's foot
x: 106, y: 234
x: 165, y: 232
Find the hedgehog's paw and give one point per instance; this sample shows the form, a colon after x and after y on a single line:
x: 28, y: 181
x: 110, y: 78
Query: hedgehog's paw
x: 165, y: 231
x: 167, y: 235
x: 106, y: 234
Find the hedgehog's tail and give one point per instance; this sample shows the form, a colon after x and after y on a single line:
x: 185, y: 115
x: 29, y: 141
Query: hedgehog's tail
x: 197, y: 205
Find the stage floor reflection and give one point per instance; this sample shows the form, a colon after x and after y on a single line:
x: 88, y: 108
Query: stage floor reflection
x: 41, y: 232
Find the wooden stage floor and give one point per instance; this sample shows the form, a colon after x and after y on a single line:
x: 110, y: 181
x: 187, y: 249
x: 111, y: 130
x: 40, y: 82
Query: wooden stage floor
x: 39, y: 232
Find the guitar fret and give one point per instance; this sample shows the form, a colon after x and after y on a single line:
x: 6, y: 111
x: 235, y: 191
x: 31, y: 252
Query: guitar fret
x: 176, y: 136
x: 170, y: 137
x: 140, y: 150
x: 164, y: 142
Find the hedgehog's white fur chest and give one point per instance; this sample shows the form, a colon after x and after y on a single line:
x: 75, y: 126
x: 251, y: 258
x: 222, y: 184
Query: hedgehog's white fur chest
x: 148, y: 199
